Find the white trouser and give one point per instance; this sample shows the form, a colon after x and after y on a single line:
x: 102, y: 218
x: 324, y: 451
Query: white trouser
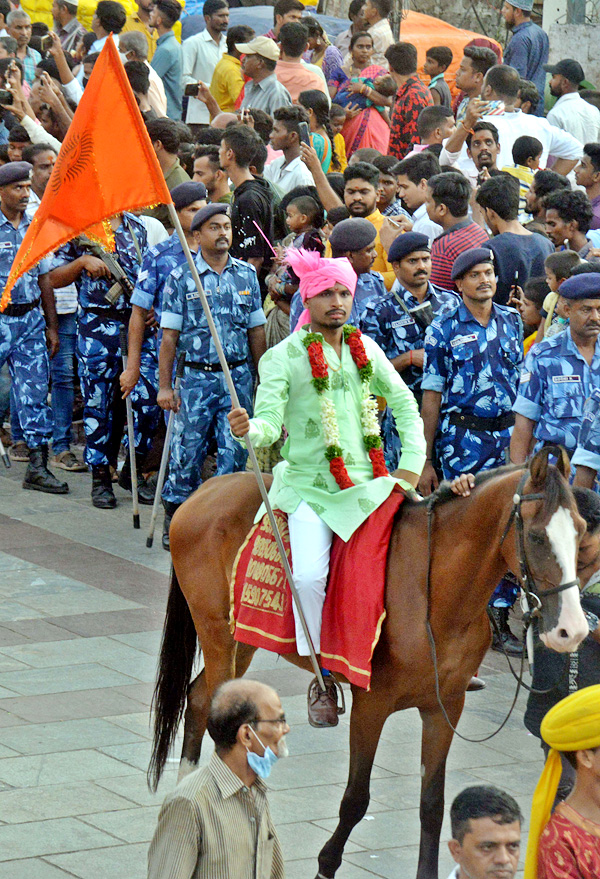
x: 310, y: 542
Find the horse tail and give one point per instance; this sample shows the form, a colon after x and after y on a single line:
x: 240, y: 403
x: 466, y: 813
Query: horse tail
x: 177, y: 654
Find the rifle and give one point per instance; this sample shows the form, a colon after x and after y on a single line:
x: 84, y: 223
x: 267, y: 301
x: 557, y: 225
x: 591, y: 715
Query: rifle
x: 122, y: 284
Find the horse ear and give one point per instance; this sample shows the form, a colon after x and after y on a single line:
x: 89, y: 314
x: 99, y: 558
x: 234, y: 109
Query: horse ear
x: 563, y: 463
x: 538, y: 467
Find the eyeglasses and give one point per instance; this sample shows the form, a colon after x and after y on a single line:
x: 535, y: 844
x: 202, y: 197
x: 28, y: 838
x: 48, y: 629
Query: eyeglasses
x: 279, y: 720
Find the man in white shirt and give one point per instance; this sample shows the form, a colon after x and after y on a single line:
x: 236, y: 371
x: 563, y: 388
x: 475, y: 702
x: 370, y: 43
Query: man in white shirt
x: 288, y: 170
x: 134, y: 45
x: 502, y: 84
x: 486, y: 834
x: 375, y: 13
x: 571, y: 112
x: 201, y: 54
x: 412, y: 174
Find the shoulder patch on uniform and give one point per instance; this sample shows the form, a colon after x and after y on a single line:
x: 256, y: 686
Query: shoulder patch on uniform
x: 525, y: 376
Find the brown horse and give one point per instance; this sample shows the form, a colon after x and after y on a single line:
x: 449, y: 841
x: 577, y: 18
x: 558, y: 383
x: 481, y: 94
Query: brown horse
x: 470, y: 554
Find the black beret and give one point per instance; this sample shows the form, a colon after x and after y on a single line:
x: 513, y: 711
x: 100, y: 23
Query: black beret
x: 407, y: 243
x: 14, y: 172
x: 465, y: 261
x: 187, y: 193
x: 207, y: 212
x: 581, y: 286
x: 352, y: 235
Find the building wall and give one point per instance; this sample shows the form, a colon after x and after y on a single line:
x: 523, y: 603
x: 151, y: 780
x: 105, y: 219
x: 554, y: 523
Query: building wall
x: 578, y: 41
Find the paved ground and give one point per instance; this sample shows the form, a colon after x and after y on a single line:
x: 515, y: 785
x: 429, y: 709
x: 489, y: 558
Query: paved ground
x: 81, y: 607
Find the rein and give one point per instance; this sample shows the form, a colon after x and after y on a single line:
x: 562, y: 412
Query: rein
x: 531, y: 595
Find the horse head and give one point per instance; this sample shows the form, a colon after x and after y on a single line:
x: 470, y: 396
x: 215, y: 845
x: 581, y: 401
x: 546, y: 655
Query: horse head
x: 548, y: 530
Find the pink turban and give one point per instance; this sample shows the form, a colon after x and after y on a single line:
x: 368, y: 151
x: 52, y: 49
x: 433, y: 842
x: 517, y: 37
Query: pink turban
x: 317, y: 274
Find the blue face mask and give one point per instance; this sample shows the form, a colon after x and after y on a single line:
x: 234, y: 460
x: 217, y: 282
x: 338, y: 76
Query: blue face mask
x: 261, y: 765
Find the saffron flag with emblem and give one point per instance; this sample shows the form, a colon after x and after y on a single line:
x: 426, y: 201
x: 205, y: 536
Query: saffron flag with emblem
x: 106, y: 165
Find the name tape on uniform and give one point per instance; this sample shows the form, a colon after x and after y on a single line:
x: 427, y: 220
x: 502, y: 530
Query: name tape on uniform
x: 562, y: 379
x: 461, y: 340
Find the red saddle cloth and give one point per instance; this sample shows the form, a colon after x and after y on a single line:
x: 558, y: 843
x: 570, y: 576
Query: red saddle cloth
x: 354, y: 610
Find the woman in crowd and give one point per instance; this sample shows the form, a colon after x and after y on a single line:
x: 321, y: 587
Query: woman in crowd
x: 320, y: 50
x: 365, y: 100
x: 317, y: 106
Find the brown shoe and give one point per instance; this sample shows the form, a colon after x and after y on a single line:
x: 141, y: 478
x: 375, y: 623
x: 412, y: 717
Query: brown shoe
x: 323, y: 707
x: 19, y: 451
x: 476, y: 684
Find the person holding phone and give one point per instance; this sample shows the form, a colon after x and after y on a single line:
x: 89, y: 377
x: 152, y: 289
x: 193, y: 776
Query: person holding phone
x: 290, y: 128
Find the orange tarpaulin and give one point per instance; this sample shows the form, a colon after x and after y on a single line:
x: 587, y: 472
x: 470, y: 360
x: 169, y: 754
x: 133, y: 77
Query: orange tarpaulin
x: 424, y: 31
x: 106, y: 165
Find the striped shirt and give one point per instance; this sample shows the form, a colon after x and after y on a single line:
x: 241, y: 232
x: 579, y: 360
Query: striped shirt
x: 214, y: 827
x: 447, y: 246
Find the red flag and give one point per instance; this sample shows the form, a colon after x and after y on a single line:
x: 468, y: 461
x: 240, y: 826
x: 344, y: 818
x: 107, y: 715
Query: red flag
x: 106, y: 165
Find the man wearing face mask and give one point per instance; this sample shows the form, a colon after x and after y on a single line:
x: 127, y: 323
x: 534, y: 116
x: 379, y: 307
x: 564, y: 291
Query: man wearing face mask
x: 217, y: 822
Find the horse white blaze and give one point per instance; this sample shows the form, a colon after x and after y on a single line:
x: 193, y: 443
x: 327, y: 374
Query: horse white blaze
x: 571, y: 627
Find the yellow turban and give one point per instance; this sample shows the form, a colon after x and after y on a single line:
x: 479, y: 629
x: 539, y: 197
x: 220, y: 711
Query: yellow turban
x: 573, y: 724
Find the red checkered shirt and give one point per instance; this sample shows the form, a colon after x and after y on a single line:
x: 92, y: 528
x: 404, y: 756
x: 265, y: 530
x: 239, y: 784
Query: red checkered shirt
x: 410, y: 100
x: 449, y: 245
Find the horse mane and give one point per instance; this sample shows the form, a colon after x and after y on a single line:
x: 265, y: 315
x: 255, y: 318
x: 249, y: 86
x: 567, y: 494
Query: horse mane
x: 557, y: 491
x: 444, y: 493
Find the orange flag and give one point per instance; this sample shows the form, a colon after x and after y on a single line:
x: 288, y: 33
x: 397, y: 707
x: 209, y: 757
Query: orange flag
x: 106, y: 165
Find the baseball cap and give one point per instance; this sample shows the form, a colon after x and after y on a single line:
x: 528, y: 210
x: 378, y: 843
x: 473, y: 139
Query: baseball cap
x: 260, y: 46
x: 570, y: 69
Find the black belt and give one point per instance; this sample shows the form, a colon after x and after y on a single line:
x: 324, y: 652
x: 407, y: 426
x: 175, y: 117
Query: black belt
x: 472, y: 422
x: 212, y: 367
x: 110, y: 313
x: 19, y: 309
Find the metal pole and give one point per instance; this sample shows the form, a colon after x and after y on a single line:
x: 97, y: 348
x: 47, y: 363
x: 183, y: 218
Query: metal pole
x: 130, y: 435
x: 160, y: 481
x: 4, y: 456
x: 252, y: 454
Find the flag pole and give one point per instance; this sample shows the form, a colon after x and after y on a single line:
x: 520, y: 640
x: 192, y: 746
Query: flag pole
x: 130, y: 436
x: 252, y: 454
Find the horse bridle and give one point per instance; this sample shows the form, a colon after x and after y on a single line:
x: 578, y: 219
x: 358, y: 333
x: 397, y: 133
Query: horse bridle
x: 527, y: 578
x: 528, y: 582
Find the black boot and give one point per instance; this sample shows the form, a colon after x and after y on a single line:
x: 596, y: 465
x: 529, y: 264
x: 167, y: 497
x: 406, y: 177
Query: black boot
x: 147, y: 490
x: 37, y: 475
x: 103, y: 495
x: 506, y: 642
x: 170, y: 508
x: 125, y: 473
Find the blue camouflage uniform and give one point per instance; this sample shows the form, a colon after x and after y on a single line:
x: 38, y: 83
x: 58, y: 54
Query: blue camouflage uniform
x: 555, y: 383
x: 235, y: 302
x: 369, y: 285
x: 158, y: 263
x: 99, y: 350
x: 476, y: 370
x: 587, y: 453
x: 386, y: 321
x: 23, y: 340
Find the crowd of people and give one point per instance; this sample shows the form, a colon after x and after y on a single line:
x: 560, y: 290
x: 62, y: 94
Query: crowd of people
x: 455, y: 222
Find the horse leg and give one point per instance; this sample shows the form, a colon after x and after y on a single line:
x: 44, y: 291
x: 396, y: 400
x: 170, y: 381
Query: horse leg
x: 196, y: 712
x: 369, y: 713
x: 435, y: 744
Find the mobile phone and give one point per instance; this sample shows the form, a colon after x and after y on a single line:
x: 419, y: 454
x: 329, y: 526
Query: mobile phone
x: 6, y: 97
x: 46, y: 43
x: 191, y: 90
x: 304, y: 133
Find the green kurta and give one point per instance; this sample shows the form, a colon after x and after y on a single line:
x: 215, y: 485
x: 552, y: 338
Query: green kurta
x: 286, y: 396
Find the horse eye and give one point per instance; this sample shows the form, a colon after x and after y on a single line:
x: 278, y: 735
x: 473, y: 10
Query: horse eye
x: 536, y: 537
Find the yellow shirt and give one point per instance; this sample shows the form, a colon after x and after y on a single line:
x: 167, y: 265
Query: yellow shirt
x: 381, y: 263
x: 227, y: 82
x: 134, y: 23
x: 86, y: 9
x: 340, y: 148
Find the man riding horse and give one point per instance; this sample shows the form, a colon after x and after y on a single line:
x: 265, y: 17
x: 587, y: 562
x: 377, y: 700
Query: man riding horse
x: 319, y: 384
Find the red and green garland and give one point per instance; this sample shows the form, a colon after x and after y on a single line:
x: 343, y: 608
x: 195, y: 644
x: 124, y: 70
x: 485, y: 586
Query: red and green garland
x: 313, y: 343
